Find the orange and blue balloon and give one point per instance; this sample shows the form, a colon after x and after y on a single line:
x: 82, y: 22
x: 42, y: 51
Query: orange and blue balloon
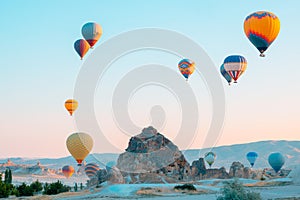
x: 91, y: 32
x: 81, y: 46
x: 226, y: 75
x: 186, y: 67
x: 68, y: 171
x: 235, y: 66
x: 262, y: 28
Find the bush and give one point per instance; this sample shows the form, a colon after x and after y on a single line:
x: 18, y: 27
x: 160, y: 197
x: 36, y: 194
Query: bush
x: 188, y: 187
x: 36, y: 186
x: 4, y: 190
x: 55, y: 188
x: 234, y: 190
x: 24, y: 190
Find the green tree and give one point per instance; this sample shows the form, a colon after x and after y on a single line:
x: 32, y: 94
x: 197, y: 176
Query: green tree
x: 6, y: 176
x: 25, y: 190
x: 9, y: 179
x: 55, y: 188
x: 4, y: 189
x: 75, y: 187
x: 36, y: 186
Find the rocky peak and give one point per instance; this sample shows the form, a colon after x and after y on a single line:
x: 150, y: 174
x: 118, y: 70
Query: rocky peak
x: 152, y: 152
x: 149, y: 141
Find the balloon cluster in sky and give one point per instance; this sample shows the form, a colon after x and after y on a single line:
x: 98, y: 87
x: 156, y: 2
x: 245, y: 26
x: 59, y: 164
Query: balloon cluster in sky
x: 91, y: 33
x: 261, y: 28
x: 80, y: 144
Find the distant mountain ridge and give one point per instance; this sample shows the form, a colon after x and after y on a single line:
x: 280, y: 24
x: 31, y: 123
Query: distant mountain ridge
x: 226, y: 155
x: 237, y: 152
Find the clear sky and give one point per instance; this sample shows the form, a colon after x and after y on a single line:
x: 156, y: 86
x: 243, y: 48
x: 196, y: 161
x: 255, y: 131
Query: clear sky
x: 39, y: 67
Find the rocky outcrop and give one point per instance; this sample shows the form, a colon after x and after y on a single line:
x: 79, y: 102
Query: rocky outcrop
x: 151, y: 152
x: 216, y: 173
x: 114, y: 176
x: 238, y: 170
x: 198, y: 167
x: 102, y: 176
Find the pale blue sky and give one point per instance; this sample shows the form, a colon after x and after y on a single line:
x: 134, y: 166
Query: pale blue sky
x: 38, y: 65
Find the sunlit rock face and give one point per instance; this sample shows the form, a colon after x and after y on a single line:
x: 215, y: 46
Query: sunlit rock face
x: 151, y: 152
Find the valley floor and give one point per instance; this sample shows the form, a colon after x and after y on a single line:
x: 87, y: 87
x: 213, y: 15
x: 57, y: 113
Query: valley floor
x: 277, y: 189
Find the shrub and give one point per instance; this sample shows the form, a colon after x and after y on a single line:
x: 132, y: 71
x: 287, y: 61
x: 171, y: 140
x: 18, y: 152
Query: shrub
x: 4, y: 190
x: 36, y: 186
x: 24, y: 190
x: 234, y: 190
x: 55, y: 188
x: 188, y: 187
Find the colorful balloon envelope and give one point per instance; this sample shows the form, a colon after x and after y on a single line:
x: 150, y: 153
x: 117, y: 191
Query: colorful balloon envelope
x: 210, y: 158
x: 251, y: 157
x: 235, y: 66
x: 71, y: 105
x: 81, y: 46
x: 226, y: 75
x: 91, y: 170
x: 91, y: 32
x: 186, y: 67
x: 262, y: 28
x: 79, y: 145
x: 276, y: 160
x: 68, y: 171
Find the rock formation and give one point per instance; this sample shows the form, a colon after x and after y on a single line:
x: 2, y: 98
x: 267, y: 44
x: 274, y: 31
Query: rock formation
x: 151, y: 152
x: 238, y: 170
x: 114, y: 176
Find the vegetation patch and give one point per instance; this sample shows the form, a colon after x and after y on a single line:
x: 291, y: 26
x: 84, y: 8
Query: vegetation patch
x: 186, y: 187
x: 234, y: 190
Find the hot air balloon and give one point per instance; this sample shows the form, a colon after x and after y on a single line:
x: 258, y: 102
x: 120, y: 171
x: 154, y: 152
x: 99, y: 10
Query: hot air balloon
x: 186, y: 67
x: 251, y: 157
x: 262, y: 28
x: 68, y: 171
x: 276, y: 160
x: 110, y: 165
x: 225, y: 74
x: 71, y: 105
x: 235, y: 66
x: 210, y: 158
x: 79, y: 145
x: 91, y: 169
x: 81, y: 47
x: 91, y: 32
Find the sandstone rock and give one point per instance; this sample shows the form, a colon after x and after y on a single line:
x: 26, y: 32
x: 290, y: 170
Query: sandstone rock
x: 151, y: 152
x: 216, y: 173
x: 114, y: 176
x: 102, y: 176
x: 238, y: 170
x: 198, y: 167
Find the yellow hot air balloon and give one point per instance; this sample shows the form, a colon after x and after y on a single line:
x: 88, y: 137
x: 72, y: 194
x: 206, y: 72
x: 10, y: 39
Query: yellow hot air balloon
x: 79, y: 145
x: 71, y: 105
x: 262, y: 28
